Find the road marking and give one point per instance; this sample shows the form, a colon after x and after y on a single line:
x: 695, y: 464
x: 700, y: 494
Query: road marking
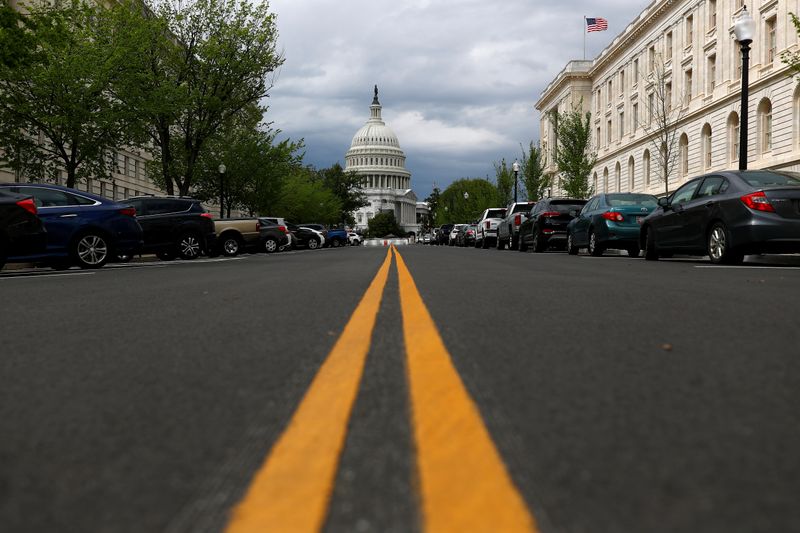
x: 464, y: 484
x: 36, y: 275
x: 749, y: 267
x: 292, y: 489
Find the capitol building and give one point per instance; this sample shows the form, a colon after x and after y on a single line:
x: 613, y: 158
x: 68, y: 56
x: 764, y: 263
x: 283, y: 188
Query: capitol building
x: 375, y: 155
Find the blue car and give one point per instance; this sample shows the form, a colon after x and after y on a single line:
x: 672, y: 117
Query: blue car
x: 610, y: 221
x: 83, y: 229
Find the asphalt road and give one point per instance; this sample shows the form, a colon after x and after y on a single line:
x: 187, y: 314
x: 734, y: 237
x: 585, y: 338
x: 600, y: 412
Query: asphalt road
x: 621, y: 395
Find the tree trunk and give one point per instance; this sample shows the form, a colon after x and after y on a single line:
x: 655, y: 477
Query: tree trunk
x: 166, y: 158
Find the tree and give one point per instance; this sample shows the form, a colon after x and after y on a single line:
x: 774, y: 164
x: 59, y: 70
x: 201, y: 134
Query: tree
x: 346, y: 186
x: 534, y: 180
x: 574, y: 156
x: 433, y: 204
x: 384, y: 224
x: 662, y: 119
x: 504, y: 181
x: 455, y: 209
x: 197, y: 65
x: 58, y: 110
x: 304, y: 198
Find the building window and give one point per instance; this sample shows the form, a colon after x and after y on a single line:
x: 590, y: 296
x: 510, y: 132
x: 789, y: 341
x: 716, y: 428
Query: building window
x: 706, y: 142
x: 636, y: 71
x: 712, y: 73
x: 683, y: 149
x: 631, y: 168
x: 598, y: 137
x: 712, y: 14
x: 733, y: 137
x: 668, y: 46
x: 651, y: 59
x: 689, y: 31
x: 646, y: 167
x: 621, y: 124
x: 609, y: 132
x: 622, y: 82
x: 687, y: 82
x: 668, y: 96
x: 605, y: 179
x: 610, y: 92
x: 737, y: 62
x: 651, y: 108
x: 618, y: 176
x: 765, y: 125
x: 634, y: 117
x: 772, y: 43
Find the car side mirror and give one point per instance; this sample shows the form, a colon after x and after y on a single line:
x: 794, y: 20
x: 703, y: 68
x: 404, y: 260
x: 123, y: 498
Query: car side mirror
x: 664, y: 202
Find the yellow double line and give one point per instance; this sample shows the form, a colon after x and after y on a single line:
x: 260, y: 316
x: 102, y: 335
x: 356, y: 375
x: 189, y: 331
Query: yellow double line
x: 464, y: 485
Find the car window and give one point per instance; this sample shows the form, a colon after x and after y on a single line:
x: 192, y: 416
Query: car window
x: 711, y: 186
x: 685, y: 193
x: 565, y: 206
x: 591, y: 205
x: 80, y: 200
x: 767, y: 179
x: 495, y: 213
x: 44, y: 197
x: 636, y: 200
x: 521, y: 208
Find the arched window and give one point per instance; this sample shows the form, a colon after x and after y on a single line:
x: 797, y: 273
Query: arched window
x: 765, y: 125
x: 618, y: 176
x: 646, y: 167
x: 705, y: 136
x: 605, y: 179
x: 631, y: 168
x: 683, y: 150
x: 733, y: 137
x: 796, y: 115
x: 594, y: 183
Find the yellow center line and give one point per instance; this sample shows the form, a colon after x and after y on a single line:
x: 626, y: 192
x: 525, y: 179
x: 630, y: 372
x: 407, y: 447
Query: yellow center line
x: 292, y: 489
x: 463, y: 482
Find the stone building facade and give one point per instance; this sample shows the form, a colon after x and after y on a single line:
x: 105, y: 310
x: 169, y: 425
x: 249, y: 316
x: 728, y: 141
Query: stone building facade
x: 692, y: 42
x: 376, y: 156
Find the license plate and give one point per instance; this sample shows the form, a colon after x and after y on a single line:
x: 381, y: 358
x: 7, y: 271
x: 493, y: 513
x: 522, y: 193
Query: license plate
x: 639, y: 220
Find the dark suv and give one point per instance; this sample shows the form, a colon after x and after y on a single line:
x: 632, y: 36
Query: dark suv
x: 174, y: 226
x: 547, y: 223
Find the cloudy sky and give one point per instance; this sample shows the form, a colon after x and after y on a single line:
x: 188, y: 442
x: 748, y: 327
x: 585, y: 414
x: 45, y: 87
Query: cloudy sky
x: 458, y: 79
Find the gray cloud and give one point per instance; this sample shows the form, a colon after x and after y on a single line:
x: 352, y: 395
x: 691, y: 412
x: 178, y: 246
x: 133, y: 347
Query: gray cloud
x: 458, y: 78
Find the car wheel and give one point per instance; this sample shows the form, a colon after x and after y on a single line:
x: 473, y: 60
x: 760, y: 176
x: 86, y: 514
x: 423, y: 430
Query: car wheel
x: 571, y: 248
x: 512, y: 241
x: 90, y: 250
x: 189, y: 246
x: 595, y: 248
x: 313, y: 244
x: 719, y: 247
x: 271, y: 245
x: 499, y: 244
x: 231, y: 245
x: 521, y: 246
x: 538, y: 244
x: 650, y: 249
x: 336, y: 243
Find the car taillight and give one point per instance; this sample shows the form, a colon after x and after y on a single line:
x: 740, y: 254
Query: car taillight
x: 207, y: 215
x: 128, y: 211
x: 550, y: 214
x: 258, y: 225
x: 758, y: 201
x: 613, y: 217
x: 28, y: 205
x: 283, y: 229
x: 518, y: 220
x: 470, y: 232
x: 488, y: 225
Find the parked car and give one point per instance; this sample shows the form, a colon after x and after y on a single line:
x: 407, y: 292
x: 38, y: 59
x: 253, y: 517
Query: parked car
x: 306, y: 237
x: 21, y: 231
x: 466, y: 235
x: 444, y: 234
x: 83, y: 229
x: 273, y: 237
x: 727, y: 215
x: 451, y: 239
x: 333, y: 237
x: 508, y: 229
x: 280, y: 221
x: 547, y: 223
x: 174, y: 226
x: 234, y: 235
x: 610, y: 221
x: 487, y: 226
x: 354, y: 238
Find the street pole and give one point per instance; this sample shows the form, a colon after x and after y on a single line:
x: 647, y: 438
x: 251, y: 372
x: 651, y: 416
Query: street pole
x: 744, y: 28
x: 221, y: 170
x: 515, y: 167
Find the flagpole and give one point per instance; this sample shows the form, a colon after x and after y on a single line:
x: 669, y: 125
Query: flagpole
x: 584, y: 37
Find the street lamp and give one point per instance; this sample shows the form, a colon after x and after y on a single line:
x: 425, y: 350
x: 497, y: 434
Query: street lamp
x: 221, y: 170
x: 466, y: 196
x: 515, y: 168
x: 744, y: 28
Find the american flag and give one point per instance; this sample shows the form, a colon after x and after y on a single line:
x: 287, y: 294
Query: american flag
x: 596, y: 24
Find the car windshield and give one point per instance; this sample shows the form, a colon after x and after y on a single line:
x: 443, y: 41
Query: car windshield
x: 638, y: 200
x: 496, y: 213
x: 565, y: 206
x: 767, y: 179
x: 522, y: 208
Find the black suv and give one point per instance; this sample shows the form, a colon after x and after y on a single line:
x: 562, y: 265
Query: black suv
x: 547, y: 223
x: 174, y: 226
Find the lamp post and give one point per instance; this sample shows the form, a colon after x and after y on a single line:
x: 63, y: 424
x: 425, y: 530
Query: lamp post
x: 744, y: 28
x: 221, y: 170
x: 515, y: 168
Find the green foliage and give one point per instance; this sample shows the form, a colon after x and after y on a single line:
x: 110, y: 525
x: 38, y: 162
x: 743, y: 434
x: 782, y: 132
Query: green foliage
x: 535, y: 181
x: 574, y: 155
x: 304, y: 198
x: 455, y: 209
x: 433, y: 201
x: 504, y: 180
x: 792, y: 59
x: 346, y: 186
x: 58, y: 107
x: 194, y: 66
x: 384, y: 224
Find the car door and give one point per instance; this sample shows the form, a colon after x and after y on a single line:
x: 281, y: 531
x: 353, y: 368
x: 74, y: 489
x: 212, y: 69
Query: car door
x: 62, y: 214
x: 581, y: 227
x: 698, y: 211
x: 157, y: 223
x: 670, y: 228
